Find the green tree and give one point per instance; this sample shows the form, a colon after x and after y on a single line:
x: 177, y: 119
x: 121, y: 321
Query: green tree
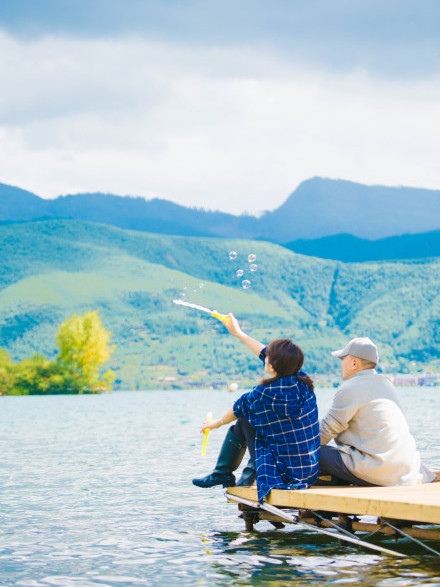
x: 39, y: 376
x: 84, y: 347
x: 6, y: 373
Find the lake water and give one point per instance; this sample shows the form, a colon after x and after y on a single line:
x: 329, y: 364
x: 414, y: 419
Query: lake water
x: 96, y: 491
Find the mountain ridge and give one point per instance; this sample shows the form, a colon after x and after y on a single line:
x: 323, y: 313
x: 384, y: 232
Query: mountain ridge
x: 352, y: 249
x: 318, y: 208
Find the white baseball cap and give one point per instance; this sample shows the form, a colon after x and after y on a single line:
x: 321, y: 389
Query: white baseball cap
x: 363, y: 348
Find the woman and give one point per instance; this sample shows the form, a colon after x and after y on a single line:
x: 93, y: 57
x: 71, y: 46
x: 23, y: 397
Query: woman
x: 282, y: 410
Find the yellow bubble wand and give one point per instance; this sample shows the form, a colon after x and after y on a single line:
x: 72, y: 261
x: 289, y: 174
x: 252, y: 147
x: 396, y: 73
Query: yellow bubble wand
x: 206, y: 434
x: 222, y: 317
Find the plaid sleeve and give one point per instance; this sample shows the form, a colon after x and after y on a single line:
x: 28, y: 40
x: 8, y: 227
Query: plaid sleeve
x: 245, y: 404
x: 241, y: 407
x: 262, y: 355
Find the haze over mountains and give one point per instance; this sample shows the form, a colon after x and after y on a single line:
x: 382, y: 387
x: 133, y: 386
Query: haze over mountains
x: 317, y: 208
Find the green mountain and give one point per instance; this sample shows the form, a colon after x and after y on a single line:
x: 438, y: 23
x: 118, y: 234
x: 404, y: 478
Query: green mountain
x: 318, y: 208
x: 53, y: 268
x: 349, y: 248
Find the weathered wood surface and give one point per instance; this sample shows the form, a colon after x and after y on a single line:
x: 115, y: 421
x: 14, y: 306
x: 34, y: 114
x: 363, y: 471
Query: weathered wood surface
x: 418, y: 503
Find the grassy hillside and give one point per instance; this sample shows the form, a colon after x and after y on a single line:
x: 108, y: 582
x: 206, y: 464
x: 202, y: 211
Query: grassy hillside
x: 50, y: 269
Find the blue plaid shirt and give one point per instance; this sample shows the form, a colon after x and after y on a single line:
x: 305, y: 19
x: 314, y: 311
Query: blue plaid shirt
x: 285, y: 417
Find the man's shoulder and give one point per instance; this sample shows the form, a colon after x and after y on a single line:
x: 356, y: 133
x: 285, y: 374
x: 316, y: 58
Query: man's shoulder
x: 365, y: 378
x: 368, y: 384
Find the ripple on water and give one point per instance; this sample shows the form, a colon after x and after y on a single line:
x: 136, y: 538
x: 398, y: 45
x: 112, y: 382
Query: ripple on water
x: 97, y: 491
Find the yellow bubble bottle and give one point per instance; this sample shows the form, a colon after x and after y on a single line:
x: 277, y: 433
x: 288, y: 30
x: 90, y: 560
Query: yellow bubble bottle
x: 206, y: 434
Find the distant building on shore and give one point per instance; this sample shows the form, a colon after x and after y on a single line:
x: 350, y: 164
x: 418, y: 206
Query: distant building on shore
x: 422, y: 379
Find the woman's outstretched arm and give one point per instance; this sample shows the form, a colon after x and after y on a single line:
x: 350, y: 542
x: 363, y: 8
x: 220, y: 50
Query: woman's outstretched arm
x: 234, y: 328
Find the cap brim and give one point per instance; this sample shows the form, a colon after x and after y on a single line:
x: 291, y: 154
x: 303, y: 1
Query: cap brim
x: 339, y: 354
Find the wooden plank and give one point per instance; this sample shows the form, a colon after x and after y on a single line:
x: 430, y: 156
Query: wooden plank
x: 418, y: 503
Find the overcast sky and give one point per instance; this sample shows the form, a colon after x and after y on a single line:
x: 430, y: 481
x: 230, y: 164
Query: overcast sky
x: 227, y: 105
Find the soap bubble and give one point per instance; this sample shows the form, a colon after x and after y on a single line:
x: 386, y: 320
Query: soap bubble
x: 233, y: 386
x: 253, y: 267
x: 246, y: 283
x: 201, y: 285
x: 232, y: 255
x: 251, y: 258
x: 182, y: 295
x: 238, y: 273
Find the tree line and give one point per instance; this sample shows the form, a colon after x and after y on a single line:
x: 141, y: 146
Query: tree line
x: 84, y: 347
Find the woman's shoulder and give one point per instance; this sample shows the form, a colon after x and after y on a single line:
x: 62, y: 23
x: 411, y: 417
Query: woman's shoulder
x: 283, y: 384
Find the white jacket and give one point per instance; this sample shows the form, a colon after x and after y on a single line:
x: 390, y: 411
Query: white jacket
x: 371, y: 432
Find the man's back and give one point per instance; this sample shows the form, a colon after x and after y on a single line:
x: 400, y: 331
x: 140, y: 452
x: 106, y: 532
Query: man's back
x: 368, y: 424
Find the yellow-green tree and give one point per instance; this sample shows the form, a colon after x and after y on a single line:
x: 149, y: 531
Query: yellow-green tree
x: 84, y: 347
x: 6, y: 373
x: 39, y: 376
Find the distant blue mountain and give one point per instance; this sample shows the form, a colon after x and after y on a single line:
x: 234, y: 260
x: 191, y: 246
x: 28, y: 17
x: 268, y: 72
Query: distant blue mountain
x: 134, y: 213
x: 317, y: 208
x: 324, y: 207
x: 347, y: 248
x: 17, y: 204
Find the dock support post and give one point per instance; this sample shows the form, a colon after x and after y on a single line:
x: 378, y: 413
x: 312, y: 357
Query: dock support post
x: 250, y: 517
x: 249, y: 521
x: 345, y: 522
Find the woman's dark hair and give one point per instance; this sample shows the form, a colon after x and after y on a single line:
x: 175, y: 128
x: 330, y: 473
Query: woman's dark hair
x: 286, y: 358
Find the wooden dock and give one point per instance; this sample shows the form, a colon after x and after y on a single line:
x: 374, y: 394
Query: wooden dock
x: 413, y: 509
x: 418, y: 503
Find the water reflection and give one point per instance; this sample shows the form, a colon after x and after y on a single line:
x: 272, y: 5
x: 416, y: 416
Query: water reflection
x: 96, y: 491
x: 297, y: 558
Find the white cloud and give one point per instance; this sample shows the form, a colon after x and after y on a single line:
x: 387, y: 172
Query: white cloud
x: 222, y: 128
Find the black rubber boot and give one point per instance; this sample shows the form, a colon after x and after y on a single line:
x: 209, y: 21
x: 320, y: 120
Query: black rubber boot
x: 229, y: 459
x: 248, y: 474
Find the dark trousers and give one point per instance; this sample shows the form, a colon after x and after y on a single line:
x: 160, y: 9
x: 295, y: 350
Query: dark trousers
x: 331, y: 463
x: 246, y: 433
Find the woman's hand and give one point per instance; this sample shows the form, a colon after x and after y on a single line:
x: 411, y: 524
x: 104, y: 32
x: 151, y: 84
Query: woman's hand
x: 233, y: 326
x: 211, y: 424
x: 226, y: 419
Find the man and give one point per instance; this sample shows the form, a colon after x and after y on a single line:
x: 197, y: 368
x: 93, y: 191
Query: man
x: 373, y: 443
